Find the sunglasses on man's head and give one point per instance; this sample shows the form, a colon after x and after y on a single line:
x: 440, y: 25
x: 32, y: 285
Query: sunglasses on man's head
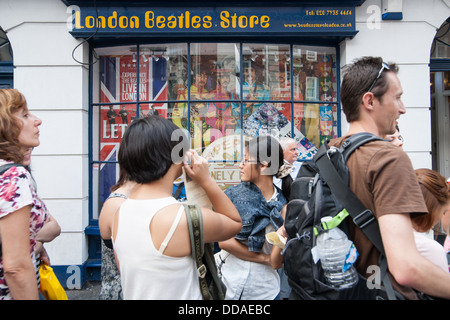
x: 383, y: 67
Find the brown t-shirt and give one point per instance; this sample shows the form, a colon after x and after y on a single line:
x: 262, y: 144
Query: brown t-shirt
x: 382, y: 177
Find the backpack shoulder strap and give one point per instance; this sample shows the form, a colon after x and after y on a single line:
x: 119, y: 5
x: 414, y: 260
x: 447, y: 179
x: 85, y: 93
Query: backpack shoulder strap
x: 5, y: 167
x: 361, y: 216
x: 355, y: 141
x: 195, y: 225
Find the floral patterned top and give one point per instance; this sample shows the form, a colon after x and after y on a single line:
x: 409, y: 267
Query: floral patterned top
x: 17, y: 190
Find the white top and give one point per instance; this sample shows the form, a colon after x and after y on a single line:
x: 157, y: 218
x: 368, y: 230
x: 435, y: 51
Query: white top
x: 432, y: 250
x: 145, y: 272
x: 247, y: 280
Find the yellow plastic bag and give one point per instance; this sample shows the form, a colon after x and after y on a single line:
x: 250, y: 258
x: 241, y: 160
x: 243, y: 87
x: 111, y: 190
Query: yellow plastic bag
x: 50, y: 288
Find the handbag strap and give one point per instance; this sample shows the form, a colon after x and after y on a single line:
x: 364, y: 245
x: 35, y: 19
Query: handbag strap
x: 195, y: 225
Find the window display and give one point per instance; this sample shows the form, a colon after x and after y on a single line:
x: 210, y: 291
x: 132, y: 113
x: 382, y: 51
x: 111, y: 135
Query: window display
x: 214, y: 91
x: 315, y: 80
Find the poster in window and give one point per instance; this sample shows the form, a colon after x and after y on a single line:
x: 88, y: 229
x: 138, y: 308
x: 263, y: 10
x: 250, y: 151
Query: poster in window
x: 120, y: 91
x: 312, y: 88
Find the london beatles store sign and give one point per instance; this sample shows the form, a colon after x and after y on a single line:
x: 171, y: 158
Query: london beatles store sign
x: 140, y: 21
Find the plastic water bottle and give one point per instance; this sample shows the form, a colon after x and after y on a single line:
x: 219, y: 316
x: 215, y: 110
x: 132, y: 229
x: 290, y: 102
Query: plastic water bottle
x: 334, y: 249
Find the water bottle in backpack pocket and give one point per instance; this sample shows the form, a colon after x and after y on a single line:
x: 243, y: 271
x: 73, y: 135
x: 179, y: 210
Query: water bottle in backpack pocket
x: 337, y: 255
x: 305, y: 270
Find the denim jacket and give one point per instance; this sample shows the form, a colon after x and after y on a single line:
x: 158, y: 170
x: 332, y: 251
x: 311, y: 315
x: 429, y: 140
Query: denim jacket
x: 256, y: 213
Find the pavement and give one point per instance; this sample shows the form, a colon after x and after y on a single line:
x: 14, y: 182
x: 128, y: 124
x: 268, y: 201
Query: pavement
x: 90, y: 291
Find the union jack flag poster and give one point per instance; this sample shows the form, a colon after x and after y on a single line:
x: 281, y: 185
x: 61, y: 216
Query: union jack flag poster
x: 119, y: 95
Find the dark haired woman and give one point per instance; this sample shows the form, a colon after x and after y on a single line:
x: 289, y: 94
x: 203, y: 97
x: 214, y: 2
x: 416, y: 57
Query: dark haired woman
x: 111, y: 288
x: 150, y: 233
x: 249, y: 270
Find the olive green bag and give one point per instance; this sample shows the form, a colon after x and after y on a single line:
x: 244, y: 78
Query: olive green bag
x: 211, y: 285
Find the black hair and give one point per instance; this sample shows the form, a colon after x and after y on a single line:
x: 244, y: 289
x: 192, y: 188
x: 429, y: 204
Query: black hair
x: 267, y: 149
x: 149, y: 147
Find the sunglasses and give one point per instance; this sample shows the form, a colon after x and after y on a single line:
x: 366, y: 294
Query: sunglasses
x: 383, y: 67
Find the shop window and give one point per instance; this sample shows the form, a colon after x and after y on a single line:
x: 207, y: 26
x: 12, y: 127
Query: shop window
x: 315, y: 80
x: 6, y: 61
x: 220, y: 93
x: 5, y: 47
x: 441, y: 42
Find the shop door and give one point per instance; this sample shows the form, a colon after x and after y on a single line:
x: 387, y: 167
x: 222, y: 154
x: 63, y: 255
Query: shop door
x: 440, y: 113
x: 440, y: 99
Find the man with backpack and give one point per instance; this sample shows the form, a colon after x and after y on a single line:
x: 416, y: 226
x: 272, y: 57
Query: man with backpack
x: 382, y: 177
x: 365, y: 186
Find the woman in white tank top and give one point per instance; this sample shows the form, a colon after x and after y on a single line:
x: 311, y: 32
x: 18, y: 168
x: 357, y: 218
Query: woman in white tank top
x: 150, y: 232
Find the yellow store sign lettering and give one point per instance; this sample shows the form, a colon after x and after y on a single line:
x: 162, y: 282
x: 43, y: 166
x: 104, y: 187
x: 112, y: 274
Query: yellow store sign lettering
x: 242, y: 21
x: 181, y: 21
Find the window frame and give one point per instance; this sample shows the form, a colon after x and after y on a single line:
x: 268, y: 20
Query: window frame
x: 93, y: 220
